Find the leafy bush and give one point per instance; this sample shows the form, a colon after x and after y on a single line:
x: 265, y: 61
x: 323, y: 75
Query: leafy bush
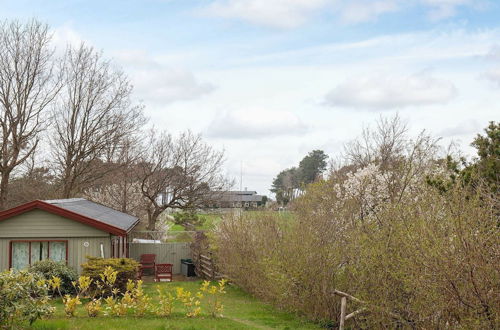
x: 428, y: 262
x: 49, y: 269
x: 188, y: 219
x: 126, y: 270
x: 23, y: 297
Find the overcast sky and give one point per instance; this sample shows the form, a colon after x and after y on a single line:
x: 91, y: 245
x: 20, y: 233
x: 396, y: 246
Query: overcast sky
x: 270, y: 80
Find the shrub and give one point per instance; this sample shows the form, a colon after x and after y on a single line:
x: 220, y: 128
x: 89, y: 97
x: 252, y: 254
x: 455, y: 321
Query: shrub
x: 126, y: 270
x: 23, y: 297
x: 430, y: 261
x: 165, y: 302
x: 213, y: 294
x: 49, y: 269
x: 70, y: 304
x: 93, y: 308
x: 188, y: 219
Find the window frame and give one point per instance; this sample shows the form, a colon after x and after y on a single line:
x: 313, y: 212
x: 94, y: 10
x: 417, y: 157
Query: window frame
x: 29, y: 248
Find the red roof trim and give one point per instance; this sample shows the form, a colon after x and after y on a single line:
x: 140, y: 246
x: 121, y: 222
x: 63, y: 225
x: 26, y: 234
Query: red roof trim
x: 38, y: 204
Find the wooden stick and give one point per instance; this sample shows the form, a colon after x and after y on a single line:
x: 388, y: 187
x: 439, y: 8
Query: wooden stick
x: 343, y: 305
x: 346, y: 295
x: 355, y: 313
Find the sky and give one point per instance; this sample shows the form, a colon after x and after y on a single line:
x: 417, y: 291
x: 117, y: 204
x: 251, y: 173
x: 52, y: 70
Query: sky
x: 267, y: 81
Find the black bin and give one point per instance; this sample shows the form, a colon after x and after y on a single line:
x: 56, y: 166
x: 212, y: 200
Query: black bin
x: 187, y: 267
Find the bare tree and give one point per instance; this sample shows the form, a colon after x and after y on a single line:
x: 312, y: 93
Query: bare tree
x: 28, y: 85
x: 93, y: 118
x: 179, y: 173
x: 120, y: 188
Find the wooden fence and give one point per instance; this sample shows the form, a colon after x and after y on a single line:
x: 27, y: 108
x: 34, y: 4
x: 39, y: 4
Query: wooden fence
x: 168, y: 253
x: 205, y: 266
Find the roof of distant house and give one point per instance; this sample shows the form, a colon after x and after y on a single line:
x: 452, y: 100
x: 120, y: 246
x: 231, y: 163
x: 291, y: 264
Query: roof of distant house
x: 236, y: 196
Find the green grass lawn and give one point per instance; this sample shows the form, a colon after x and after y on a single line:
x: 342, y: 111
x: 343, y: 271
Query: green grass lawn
x: 241, y: 311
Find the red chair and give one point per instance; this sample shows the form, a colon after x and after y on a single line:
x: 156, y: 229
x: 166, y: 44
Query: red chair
x: 147, y: 261
x: 163, y: 271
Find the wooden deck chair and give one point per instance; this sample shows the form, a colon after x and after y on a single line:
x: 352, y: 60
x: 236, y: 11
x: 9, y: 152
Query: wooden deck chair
x: 163, y: 272
x: 147, y: 261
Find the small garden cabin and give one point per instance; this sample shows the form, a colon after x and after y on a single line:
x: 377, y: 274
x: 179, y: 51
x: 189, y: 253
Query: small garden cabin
x: 62, y: 230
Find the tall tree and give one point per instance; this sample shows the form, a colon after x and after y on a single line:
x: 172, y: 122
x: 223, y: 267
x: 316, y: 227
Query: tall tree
x: 28, y: 85
x: 120, y: 187
x: 286, y: 185
x: 312, y: 166
x: 487, y: 166
x: 93, y: 119
x: 180, y: 172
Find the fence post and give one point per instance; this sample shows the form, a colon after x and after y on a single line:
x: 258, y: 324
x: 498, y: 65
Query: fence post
x: 212, y: 266
x: 343, y: 305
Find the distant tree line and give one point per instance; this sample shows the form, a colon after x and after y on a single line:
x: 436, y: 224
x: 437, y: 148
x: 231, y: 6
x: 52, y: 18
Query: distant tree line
x: 289, y: 183
x: 69, y: 127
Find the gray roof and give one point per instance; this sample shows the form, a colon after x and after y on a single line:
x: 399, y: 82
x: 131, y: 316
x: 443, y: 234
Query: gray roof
x: 236, y: 196
x: 97, y: 212
x: 240, y: 192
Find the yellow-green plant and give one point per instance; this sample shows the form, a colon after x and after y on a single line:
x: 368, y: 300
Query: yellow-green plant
x: 93, y: 307
x: 213, y: 294
x: 191, y: 302
x: 108, y: 277
x: 165, y: 302
x: 115, y: 307
x: 120, y: 306
x: 84, y: 283
x: 70, y: 304
x: 142, y: 302
x: 106, y: 285
x: 55, y: 284
x: 23, y: 298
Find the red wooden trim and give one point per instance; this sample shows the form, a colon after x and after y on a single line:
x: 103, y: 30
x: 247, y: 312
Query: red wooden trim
x: 127, y: 253
x: 37, y: 240
x: 38, y: 204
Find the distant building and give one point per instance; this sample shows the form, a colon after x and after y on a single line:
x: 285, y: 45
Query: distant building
x: 236, y: 199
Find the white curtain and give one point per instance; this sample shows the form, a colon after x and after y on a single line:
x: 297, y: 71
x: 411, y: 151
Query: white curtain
x: 58, y: 251
x: 20, y: 255
x: 39, y: 251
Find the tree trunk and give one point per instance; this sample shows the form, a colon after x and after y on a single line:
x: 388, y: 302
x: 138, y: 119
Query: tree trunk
x: 68, y: 183
x: 152, y: 221
x: 4, y: 186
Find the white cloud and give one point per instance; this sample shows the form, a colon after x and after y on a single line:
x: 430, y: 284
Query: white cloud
x: 440, y: 9
x: 365, y: 10
x: 168, y: 85
x: 64, y: 36
x: 463, y: 128
x: 294, y: 13
x: 493, y: 76
x: 160, y: 84
x: 274, y: 13
x: 389, y: 91
x: 255, y: 123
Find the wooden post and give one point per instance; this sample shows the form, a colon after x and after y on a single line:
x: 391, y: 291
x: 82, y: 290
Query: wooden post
x: 343, y: 305
x: 213, y: 268
x: 199, y: 266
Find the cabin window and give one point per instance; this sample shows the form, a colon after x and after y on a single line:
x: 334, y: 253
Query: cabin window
x: 26, y: 253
